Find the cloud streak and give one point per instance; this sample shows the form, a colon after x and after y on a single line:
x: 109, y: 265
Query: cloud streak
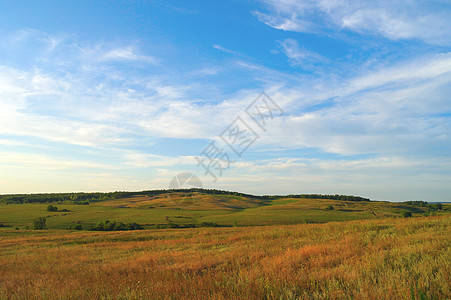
x: 391, y: 19
x: 299, y: 56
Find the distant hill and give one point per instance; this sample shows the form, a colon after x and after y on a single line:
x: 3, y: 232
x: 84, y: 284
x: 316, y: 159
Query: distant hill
x: 183, y: 208
x: 84, y: 198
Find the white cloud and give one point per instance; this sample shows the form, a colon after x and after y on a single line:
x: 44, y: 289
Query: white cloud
x: 42, y: 161
x: 29, y: 108
x: 407, y: 19
x: 409, y: 73
x: 385, y: 110
x: 381, y: 164
x: 392, y: 110
x: 126, y: 53
x: 79, y: 109
x: 146, y: 160
x: 379, y: 178
x: 223, y: 49
x: 300, y: 56
x: 285, y: 24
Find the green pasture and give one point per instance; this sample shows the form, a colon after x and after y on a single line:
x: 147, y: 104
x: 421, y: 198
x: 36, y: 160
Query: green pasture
x: 273, y: 212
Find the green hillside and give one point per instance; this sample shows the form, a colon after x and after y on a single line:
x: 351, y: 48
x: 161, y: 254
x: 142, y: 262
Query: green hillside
x: 189, y: 208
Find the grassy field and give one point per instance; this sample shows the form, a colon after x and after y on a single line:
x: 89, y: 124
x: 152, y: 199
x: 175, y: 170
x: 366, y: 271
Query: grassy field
x: 221, y: 209
x: 392, y: 258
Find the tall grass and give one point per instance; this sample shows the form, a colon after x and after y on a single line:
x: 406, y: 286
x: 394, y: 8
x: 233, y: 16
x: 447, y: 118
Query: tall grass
x: 377, y: 259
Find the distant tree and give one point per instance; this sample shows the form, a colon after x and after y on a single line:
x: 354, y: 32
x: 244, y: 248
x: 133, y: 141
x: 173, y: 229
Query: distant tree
x: 437, y: 206
x: 134, y: 226
x: 52, y: 208
x: 109, y: 226
x: 39, y: 223
x: 100, y: 226
x: 406, y: 214
x: 116, y: 226
x: 209, y: 224
x: 417, y: 203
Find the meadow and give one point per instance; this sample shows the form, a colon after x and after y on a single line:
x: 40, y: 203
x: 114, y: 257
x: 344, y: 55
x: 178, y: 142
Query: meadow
x: 390, y: 258
x: 178, y: 209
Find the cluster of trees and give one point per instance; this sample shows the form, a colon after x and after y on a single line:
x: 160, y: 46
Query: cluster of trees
x: 174, y: 225
x: 116, y: 226
x: 431, y: 206
x: 406, y: 214
x: 70, y: 198
x: 415, y: 207
x: 330, y: 207
x: 40, y: 223
x: 55, y: 208
x: 320, y: 196
x: 119, y: 226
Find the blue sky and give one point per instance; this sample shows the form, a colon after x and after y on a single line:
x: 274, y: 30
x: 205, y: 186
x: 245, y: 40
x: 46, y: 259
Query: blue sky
x: 124, y: 95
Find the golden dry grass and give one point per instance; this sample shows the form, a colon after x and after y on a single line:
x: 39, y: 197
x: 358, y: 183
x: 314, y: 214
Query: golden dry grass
x: 373, y: 259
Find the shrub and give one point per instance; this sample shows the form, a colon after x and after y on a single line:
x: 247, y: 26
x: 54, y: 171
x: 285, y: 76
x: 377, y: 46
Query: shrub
x: 39, y: 223
x: 437, y: 206
x: 134, y: 226
x: 406, y: 214
x: 119, y: 226
x: 330, y: 207
x: 52, y: 208
x: 109, y: 226
x: 209, y: 224
x: 116, y: 226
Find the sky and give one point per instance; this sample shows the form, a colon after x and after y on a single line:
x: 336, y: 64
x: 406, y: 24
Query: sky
x: 126, y: 95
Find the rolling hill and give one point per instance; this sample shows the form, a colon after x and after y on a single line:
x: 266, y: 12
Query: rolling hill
x: 189, y: 208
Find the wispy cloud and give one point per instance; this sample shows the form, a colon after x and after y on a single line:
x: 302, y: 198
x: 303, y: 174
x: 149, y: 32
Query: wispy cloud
x: 393, y: 20
x: 351, y: 115
x: 42, y: 161
x: 146, y: 160
x: 300, y: 56
x: 394, y: 110
x: 127, y: 53
x: 404, y: 178
x: 223, y: 49
x: 285, y: 23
